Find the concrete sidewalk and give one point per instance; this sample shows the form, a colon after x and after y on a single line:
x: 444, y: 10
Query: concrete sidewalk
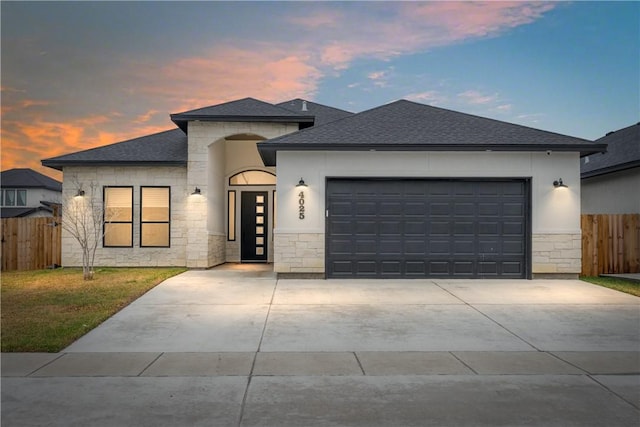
x: 236, y: 348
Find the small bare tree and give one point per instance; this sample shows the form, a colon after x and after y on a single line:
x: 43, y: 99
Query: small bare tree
x: 83, y: 217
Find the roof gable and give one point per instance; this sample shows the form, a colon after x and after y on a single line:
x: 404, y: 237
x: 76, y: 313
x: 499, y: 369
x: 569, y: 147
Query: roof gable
x: 409, y: 126
x: 28, y: 178
x: 163, y: 148
x: 247, y: 109
x: 623, y: 152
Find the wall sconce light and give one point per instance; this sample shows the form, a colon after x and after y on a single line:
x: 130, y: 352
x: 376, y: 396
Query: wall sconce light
x: 301, y: 183
x: 197, y: 191
x: 560, y: 184
x: 80, y: 193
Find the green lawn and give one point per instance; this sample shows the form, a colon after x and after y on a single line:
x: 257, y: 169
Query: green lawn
x: 622, y: 285
x: 46, y: 310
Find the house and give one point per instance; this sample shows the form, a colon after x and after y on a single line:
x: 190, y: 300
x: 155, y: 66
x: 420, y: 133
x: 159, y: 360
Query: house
x: 27, y: 193
x: 611, y: 181
x: 402, y: 190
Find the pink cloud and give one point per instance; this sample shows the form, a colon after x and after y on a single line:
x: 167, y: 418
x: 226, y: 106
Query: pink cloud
x: 317, y: 19
x: 386, y: 30
x: 475, y: 97
x: 225, y: 73
x: 430, y: 97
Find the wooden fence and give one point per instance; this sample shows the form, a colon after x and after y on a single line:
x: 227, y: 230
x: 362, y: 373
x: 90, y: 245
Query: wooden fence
x: 30, y: 243
x: 610, y: 244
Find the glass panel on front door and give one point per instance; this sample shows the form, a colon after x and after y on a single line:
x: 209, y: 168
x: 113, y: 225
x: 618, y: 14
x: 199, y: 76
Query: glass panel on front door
x: 254, y: 233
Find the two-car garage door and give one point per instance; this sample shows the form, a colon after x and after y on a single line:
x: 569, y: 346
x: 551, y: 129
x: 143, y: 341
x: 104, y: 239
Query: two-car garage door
x: 416, y: 228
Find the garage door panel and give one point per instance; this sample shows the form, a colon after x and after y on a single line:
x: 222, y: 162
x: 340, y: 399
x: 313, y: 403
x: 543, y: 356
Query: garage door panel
x: 513, y: 228
x: 427, y: 228
x: 464, y: 209
x: 390, y: 247
x: 415, y: 208
x: 439, y: 228
x: 462, y: 228
x: 415, y: 228
x: 513, y: 210
x: 390, y: 228
x: 341, y: 247
x: 513, y: 248
x: 366, y: 268
x: 414, y: 248
x: 439, y: 247
x: 341, y: 228
x: 365, y: 247
x: 463, y: 268
x: 391, y: 268
x: 366, y: 227
x: 464, y: 247
x: 441, y: 209
x: 513, y: 189
x: 366, y: 208
x: 488, y: 228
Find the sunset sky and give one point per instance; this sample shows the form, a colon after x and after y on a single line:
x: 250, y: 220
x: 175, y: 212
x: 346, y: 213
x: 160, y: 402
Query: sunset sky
x: 77, y: 75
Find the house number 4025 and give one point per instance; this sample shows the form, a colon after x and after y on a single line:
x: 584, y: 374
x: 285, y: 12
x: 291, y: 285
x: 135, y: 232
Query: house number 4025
x: 301, y: 205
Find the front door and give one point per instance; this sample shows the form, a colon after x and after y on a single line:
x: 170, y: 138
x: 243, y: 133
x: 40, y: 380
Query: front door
x: 254, y: 226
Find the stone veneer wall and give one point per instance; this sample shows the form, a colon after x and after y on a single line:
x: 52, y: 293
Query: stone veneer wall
x: 556, y: 254
x: 217, y: 249
x: 299, y: 252
x: 134, y: 176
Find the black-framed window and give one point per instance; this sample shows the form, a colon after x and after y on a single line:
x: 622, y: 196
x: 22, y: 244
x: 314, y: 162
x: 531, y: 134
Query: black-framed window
x: 155, y: 217
x: 231, y: 215
x: 118, y: 216
x: 13, y: 197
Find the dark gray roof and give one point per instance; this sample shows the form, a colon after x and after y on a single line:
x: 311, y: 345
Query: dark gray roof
x: 28, y: 178
x: 242, y: 110
x: 167, y: 148
x: 409, y: 126
x: 322, y: 113
x: 623, y: 152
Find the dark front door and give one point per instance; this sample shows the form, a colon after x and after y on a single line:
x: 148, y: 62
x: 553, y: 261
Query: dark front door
x: 254, y: 226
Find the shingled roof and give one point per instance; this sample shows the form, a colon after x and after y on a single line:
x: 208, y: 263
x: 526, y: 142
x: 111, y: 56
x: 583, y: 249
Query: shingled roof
x: 168, y: 148
x: 28, y: 178
x: 409, y: 126
x: 623, y: 152
x: 322, y: 113
x: 242, y: 110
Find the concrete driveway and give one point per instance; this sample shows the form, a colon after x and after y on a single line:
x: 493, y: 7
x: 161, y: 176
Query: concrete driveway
x: 233, y: 347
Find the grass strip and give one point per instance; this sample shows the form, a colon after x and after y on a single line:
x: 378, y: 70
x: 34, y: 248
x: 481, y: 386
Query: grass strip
x: 46, y: 310
x: 619, y: 284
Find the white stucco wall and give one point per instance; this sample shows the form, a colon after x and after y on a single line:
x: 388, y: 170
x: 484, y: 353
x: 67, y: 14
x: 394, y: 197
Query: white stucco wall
x: 138, y: 176
x: 555, y: 212
x: 614, y: 193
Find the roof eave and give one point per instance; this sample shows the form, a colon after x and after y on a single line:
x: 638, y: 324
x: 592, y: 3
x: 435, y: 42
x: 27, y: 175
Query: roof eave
x: 610, y: 169
x: 268, y: 150
x: 181, y: 120
x: 59, y: 164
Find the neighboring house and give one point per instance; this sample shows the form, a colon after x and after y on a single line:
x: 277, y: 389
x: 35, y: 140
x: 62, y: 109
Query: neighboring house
x: 27, y: 193
x: 611, y: 180
x: 402, y: 190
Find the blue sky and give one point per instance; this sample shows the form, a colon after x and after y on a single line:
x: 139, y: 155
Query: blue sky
x: 76, y: 75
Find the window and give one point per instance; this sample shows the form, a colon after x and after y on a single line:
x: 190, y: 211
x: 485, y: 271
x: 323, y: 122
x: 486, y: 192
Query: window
x: 253, y: 178
x: 231, y: 215
x: 118, y: 217
x: 13, y: 197
x: 154, y: 217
